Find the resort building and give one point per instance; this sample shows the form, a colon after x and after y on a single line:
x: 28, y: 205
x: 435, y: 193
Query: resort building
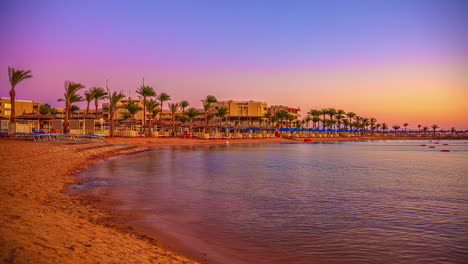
x: 22, y: 107
x: 243, y: 112
x: 291, y: 110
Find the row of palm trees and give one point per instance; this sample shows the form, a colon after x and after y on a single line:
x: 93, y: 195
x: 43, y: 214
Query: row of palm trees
x: 326, y: 118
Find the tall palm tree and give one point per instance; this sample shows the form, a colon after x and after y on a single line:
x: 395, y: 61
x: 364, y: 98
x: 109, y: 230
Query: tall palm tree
x: 145, y: 91
x: 162, y: 97
x: 99, y: 94
x: 396, y: 127
x: 384, y: 127
x: 419, y: 128
x: 340, y: 114
x: 89, y: 96
x: 152, y: 107
x: 221, y: 113
x: 208, y: 104
x: 70, y: 96
x: 453, y: 130
x: 191, y: 114
x: 15, y: 77
x: 331, y: 113
x: 315, y: 121
x: 434, y: 127
x: 324, y: 112
x: 405, y: 125
x: 113, y: 106
x: 372, y: 123
x: 184, y: 104
x: 133, y: 108
x: 173, y: 107
x: 350, y: 116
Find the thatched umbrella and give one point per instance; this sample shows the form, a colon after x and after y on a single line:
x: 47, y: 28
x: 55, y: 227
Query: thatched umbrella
x: 36, y: 116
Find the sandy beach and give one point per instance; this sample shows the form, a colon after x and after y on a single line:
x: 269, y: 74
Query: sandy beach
x: 40, y: 223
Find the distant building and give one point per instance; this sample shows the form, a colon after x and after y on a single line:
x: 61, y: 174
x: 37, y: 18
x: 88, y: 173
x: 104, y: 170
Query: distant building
x: 22, y: 107
x: 291, y: 110
x: 243, y: 112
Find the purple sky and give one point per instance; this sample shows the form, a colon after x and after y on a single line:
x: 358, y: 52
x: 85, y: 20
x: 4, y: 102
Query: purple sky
x: 398, y: 61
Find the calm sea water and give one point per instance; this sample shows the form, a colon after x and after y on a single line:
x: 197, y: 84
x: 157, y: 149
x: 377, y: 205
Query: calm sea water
x: 347, y: 202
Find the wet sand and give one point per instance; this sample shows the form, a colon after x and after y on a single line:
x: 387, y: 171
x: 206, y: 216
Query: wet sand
x: 39, y: 223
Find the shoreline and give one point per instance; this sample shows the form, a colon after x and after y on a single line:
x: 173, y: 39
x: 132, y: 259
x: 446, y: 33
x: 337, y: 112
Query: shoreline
x: 39, y: 217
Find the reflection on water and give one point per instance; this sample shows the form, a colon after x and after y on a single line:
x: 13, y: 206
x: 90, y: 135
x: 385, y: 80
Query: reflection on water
x: 353, y: 202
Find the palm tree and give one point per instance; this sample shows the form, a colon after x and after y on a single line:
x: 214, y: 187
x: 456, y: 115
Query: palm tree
x: 345, y: 123
x: 425, y: 129
x: 162, y: 97
x: 89, y: 96
x: 350, y: 116
x: 281, y: 115
x: 73, y: 110
x: 113, y: 106
x: 372, y: 123
x: 307, y: 120
x: 184, y: 104
x: 453, y: 130
x: 434, y: 127
x: 99, y: 94
x: 133, y: 108
x: 384, y: 127
x: 405, y: 125
x: 324, y: 112
x: 70, y: 96
x: 145, y: 91
x: 340, y: 114
x: 191, y: 114
x: 15, y: 77
x: 208, y: 104
x: 152, y: 107
x: 315, y: 120
x: 332, y: 113
x: 419, y: 128
x: 221, y: 113
x: 173, y: 107
x: 267, y: 117
x: 395, y: 127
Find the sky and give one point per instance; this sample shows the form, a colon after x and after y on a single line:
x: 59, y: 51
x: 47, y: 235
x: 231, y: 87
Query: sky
x: 398, y: 61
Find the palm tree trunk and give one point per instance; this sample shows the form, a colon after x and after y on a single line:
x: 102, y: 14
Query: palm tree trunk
x: 87, y: 108
x: 150, y: 132
x: 13, y: 105
x: 96, y: 104
x: 144, y: 112
x: 66, y: 128
x: 112, y: 125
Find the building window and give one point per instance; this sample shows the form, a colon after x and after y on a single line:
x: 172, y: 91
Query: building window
x: 7, y: 113
x: 7, y: 105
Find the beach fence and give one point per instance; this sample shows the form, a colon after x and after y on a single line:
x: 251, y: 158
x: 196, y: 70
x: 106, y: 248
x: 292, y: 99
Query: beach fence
x: 19, y: 128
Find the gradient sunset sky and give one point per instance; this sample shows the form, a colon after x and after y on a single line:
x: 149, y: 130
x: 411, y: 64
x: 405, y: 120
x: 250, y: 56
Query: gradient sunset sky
x: 397, y: 61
